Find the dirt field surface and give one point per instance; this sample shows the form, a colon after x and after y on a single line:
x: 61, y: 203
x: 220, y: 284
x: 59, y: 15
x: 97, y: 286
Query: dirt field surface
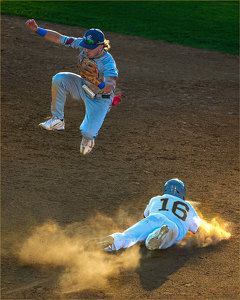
x: 178, y: 118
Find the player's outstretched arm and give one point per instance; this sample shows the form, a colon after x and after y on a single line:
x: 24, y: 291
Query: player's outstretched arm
x: 49, y: 35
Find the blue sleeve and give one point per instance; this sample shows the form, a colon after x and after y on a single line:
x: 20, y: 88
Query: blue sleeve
x: 110, y: 71
x: 71, y: 42
x: 109, y: 68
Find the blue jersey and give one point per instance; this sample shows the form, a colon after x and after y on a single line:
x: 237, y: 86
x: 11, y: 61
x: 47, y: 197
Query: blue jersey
x: 106, y: 64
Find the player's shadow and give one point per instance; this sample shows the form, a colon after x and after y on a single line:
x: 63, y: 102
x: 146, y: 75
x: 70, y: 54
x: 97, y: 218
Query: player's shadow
x: 156, y: 266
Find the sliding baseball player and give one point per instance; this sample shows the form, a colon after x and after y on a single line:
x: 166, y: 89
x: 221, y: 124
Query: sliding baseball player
x: 167, y: 220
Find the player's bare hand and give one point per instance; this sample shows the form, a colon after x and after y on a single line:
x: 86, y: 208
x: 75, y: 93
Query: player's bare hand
x: 32, y: 25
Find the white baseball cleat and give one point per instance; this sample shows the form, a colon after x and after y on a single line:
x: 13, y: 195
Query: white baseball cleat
x: 86, y: 146
x: 156, y: 238
x: 106, y: 243
x: 53, y: 124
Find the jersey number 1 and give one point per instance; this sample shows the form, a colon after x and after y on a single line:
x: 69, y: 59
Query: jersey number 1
x: 176, y: 208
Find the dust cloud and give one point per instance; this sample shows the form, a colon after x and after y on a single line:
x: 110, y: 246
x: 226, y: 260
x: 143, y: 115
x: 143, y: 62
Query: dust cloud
x: 53, y: 245
x: 82, y: 268
x: 209, y: 233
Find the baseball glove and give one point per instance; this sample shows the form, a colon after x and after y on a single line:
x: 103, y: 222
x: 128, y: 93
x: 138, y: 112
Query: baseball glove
x: 88, y: 70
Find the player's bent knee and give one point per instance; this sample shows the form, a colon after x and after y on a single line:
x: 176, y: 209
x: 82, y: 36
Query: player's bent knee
x: 58, y: 78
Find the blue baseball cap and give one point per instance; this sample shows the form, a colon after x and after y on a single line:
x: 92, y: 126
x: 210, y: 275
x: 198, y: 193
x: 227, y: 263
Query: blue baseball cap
x: 92, y: 39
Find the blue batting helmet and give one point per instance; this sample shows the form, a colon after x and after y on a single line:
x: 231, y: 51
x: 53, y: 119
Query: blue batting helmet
x: 176, y: 188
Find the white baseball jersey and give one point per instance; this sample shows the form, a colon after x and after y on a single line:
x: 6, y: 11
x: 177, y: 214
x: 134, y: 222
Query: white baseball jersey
x: 177, y: 210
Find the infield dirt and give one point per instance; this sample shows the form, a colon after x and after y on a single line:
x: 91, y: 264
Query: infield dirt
x: 178, y: 118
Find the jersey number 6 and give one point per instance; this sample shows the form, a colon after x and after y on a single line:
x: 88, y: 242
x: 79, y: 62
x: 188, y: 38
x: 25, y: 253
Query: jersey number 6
x: 176, y: 209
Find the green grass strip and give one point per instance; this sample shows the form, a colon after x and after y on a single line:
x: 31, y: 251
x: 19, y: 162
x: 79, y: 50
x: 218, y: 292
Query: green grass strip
x: 212, y: 25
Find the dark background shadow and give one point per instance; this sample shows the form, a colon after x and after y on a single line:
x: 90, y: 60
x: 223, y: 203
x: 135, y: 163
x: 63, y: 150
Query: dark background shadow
x: 157, y: 266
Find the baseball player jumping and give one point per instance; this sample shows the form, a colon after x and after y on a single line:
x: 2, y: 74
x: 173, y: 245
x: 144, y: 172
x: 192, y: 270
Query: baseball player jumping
x: 95, y: 83
x: 168, y: 218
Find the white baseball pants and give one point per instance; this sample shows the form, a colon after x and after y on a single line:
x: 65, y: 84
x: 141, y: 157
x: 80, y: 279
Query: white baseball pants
x: 140, y: 231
